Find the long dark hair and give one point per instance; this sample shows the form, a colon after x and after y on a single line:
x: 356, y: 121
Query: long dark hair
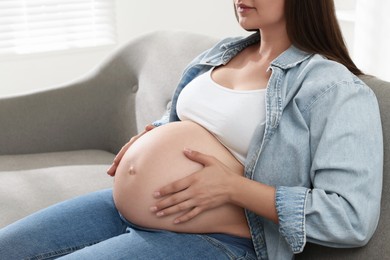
x: 313, y: 27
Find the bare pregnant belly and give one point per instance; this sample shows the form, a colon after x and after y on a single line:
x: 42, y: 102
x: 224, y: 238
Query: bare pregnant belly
x: 157, y: 159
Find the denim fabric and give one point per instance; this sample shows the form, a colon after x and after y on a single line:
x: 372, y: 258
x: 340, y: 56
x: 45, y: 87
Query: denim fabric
x: 89, y: 227
x: 321, y: 147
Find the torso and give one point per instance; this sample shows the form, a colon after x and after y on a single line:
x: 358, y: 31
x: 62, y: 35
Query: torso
x: 157, y: 159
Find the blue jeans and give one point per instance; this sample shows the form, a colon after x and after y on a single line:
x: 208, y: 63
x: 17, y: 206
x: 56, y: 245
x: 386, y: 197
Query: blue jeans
x: 90, y: 227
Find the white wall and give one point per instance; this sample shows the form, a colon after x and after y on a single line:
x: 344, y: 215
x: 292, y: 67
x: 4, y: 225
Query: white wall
x: 28, y: 73
x: 214, y: 17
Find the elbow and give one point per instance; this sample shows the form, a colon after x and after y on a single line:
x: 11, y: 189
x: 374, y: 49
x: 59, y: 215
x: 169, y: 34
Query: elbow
x: 358, y: 228
x: 362, y: 235
x: 360, y: 240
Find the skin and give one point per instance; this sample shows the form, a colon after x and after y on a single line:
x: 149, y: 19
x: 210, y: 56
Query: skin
x: 216, y: 184
x: 111, y: 171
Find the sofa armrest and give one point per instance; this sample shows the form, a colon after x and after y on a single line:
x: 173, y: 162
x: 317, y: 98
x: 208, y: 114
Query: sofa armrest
x: 102, y: 110
x: 93, y: 112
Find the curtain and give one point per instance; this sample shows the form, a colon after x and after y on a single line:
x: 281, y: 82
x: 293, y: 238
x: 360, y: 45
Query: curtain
x: 372, y: 37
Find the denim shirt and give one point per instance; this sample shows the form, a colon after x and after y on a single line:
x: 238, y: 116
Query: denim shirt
x: 321, y: 148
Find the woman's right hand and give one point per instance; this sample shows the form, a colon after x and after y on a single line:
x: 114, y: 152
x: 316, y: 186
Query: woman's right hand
x: 111, y: 171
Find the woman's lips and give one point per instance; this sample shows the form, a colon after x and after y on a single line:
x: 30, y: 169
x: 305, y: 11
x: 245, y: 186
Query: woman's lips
x: 241, y: 8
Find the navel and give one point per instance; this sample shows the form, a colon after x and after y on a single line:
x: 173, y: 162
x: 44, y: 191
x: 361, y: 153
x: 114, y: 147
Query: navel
x: 131, y: 170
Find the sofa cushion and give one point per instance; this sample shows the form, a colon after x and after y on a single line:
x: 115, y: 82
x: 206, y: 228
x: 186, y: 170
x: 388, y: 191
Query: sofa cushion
x: 43, y: 160
x: 52, y: 178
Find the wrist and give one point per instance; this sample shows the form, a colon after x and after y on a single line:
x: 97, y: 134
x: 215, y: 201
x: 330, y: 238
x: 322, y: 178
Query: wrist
x: 236, y: 188
x: 254, y: 196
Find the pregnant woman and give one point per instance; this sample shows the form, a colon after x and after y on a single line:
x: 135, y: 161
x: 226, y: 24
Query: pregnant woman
x: 272, y: 141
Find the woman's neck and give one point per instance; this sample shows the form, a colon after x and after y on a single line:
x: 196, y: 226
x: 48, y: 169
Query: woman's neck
x: 273, y: 42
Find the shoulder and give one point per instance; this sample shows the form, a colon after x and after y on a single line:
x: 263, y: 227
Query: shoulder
x: 227, y: 44
x: 323, y: 82
x: 324, y: 74
x: 214, y: 50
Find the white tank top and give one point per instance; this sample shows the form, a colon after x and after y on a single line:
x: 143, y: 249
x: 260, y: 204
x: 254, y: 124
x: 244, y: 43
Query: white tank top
x: 230, y: 115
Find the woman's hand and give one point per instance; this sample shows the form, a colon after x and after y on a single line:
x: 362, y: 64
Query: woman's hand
x: 203, y: 190
x: 111, y: 171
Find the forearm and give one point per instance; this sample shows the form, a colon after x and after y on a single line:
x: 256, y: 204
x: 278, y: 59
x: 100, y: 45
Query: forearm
x: 254, y: 196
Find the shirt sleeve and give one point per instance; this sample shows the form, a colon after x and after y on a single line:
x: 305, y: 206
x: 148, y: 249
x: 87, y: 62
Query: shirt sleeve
x: 290, y: 205
x: 342, y: 207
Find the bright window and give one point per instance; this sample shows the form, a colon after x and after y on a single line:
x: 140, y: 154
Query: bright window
x: 31, y: 26
x: 366, y: 26
x: 346, y: 10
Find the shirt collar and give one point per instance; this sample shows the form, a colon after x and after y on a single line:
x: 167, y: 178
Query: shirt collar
x: 288, y: 59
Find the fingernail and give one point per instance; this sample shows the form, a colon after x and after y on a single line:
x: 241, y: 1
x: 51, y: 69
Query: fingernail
x: 160, y: 214
x: 176, y: 221
x: 156, y: 194
x: 187, y: 150
x: 153, y: 208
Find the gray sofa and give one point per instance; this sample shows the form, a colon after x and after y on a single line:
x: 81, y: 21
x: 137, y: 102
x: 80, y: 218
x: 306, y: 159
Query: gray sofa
x: 58, y: 143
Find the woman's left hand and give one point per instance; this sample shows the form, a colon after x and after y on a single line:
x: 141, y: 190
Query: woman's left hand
x: 203, y: 190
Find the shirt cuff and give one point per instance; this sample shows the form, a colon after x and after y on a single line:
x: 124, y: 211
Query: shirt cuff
x: 290, y: 206
x: 165, y: 118
x: 162, y: 121
x: 159, y: 123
